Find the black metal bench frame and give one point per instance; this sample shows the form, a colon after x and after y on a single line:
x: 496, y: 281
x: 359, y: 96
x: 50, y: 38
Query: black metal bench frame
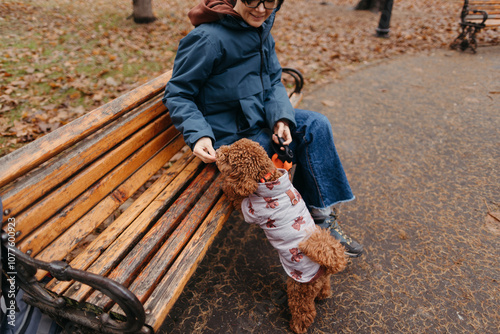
x: 469, y: 28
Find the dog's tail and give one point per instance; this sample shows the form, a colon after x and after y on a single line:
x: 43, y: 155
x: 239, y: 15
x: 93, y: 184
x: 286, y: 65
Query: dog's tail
x: 325, y: 250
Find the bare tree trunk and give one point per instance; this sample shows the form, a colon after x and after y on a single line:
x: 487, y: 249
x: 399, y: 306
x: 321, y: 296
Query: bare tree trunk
x: 143, y: 11
x: 373, y: 5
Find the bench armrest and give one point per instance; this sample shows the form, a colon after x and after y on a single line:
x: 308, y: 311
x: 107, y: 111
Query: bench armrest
x: 25, y: 269
x: 485, y: 15
x: 297, y: 76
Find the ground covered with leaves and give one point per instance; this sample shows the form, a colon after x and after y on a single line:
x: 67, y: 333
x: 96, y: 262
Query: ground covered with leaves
x: 60, y: 59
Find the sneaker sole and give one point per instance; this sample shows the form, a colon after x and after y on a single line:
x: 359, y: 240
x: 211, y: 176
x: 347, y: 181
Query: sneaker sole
x: 353, y: 254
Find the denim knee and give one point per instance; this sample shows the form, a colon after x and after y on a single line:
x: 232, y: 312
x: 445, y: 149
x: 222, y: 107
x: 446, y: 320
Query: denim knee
x: 320, y: 176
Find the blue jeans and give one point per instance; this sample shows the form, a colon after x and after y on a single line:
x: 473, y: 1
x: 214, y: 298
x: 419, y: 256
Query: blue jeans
x: 319, y: 175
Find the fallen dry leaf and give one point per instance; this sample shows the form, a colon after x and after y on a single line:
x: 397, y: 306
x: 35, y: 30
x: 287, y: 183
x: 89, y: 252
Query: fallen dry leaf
x: 493, y: 222
x: 328, y: 103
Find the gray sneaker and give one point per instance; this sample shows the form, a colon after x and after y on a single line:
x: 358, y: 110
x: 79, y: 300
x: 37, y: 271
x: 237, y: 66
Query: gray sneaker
x: 352, y: 248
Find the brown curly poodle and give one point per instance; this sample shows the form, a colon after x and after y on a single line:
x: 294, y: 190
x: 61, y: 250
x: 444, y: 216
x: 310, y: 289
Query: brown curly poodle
x: 244, y: 165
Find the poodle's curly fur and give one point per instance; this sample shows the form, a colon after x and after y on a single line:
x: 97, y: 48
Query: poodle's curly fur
x: 242, y: 165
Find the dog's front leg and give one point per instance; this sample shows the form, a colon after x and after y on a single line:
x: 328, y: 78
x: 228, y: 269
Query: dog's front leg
x: 301, y: 304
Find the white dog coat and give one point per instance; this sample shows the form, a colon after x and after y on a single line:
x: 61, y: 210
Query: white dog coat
x: 279, y: 210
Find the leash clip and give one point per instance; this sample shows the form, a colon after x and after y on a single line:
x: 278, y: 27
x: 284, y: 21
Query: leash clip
x: 285, y: 155
x: 282, y: 158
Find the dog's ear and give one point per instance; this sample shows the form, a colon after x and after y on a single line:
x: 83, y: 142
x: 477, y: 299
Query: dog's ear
x: 221, y: 156
x: 237, y: 185
x: 245, y: 186
x: 236, y: 189
x: 325, y: 250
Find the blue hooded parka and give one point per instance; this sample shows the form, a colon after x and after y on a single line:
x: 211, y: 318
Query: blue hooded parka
x: 226, y: 82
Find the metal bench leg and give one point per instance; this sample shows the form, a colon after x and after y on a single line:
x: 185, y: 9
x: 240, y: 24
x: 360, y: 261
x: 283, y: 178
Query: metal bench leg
x: 460, y: 40
x: 466, y: 39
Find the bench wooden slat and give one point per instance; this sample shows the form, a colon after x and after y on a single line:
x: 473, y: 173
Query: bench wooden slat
x: 35, y: 153
x: 489, y: 23
x: 58, y: 249
x: 109, y: 235
x: 55, y: 201
x: 487, y: 9
x: 493, y: 23
x: 131, y: 265
x: 37, y: 183
x: 483, y: 3
x: 477, y: 5
x: 53, y: 228
x: 170, y: 287
x: 492, y: 14
x: 144, y: 284
x: 119, y: 248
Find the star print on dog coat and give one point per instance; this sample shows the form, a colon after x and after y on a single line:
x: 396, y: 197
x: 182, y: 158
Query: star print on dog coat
x: 279, y: 210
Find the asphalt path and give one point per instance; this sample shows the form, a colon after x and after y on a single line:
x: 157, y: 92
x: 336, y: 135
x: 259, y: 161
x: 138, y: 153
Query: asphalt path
x: 419, y: 137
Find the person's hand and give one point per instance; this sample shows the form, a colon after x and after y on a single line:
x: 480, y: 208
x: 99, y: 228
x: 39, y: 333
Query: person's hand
x: 204, y: 150
x: 281, y: 129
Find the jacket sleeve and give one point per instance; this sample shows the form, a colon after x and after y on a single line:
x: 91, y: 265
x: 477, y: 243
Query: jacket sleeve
x: 277, y: 103
x: 193, y: 65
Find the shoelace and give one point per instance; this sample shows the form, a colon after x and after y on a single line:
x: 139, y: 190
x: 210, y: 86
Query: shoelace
x: 335, y: 226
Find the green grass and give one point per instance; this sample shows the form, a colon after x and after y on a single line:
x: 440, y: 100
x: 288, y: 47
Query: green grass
x: 134, y: 69
x: 51, y: 64
x: 6, y: 147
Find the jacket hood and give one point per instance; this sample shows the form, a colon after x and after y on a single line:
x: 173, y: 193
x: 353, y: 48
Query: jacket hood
x: 212, y: 10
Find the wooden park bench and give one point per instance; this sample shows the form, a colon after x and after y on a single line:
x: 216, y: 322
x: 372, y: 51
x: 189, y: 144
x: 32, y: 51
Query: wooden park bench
x: 476, y: 15
x: 106, y: 219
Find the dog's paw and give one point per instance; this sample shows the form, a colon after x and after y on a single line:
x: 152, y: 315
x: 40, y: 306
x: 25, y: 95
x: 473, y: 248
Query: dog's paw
x: 300, y: 322
x: 324, y: 294
x: 298, y: 328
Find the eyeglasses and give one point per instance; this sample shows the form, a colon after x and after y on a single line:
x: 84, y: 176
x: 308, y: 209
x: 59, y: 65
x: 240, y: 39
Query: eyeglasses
x: 268, y: 4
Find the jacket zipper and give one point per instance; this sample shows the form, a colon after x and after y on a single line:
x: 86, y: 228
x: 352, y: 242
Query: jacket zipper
x: 261, y: 50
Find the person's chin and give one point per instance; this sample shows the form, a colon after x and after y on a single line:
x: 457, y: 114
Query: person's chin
x: 256, y: 21
x: 256, y: 24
